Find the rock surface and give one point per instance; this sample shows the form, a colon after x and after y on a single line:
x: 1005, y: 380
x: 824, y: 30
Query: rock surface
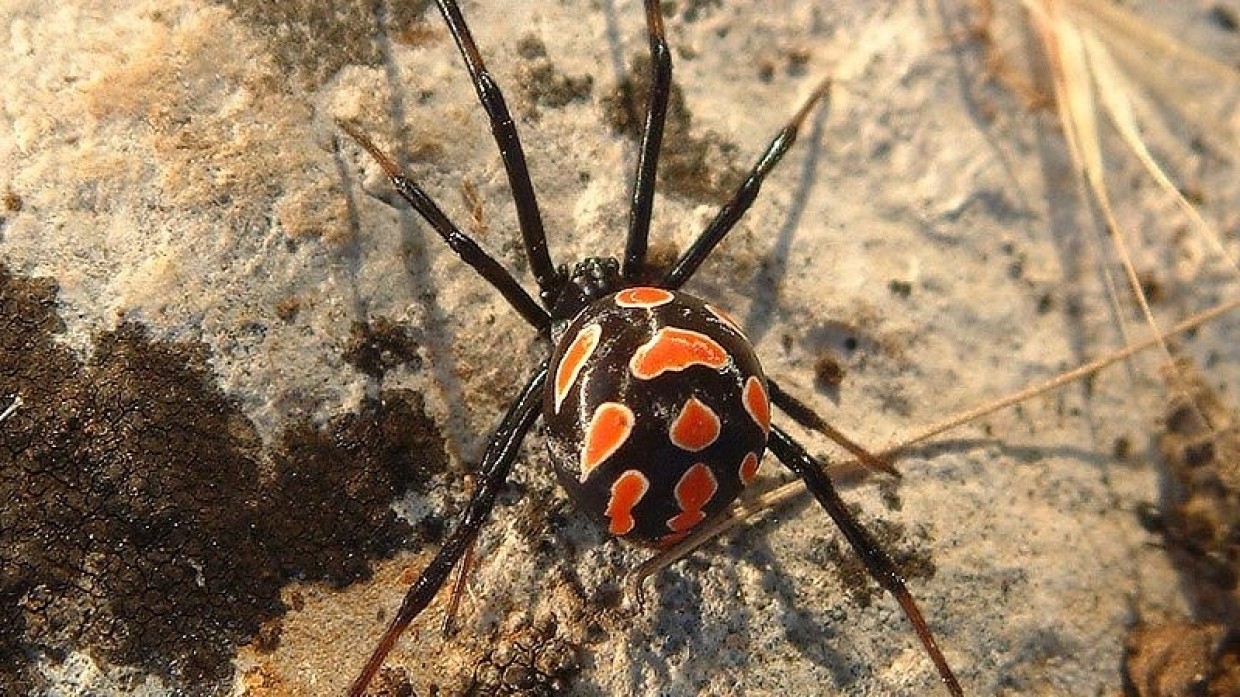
x: 176, y: 166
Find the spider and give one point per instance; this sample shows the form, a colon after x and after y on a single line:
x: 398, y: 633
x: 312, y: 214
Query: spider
x: 655, y: 406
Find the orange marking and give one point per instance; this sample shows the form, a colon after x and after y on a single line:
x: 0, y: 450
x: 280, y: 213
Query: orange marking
x: 609, y: 427
x: 644, y: 297
x: 695, y: 428
x: 749, y: 468
x: 725, y: 318
x: 629, y: 488
x: 693, y: 491
x: 757, y: 403
x: 673, y: 349
x: 574, y: 360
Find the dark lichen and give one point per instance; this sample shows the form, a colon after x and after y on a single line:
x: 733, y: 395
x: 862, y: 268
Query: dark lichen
x: 144, y: 521
x: 542, y: 83
x: 12, y: 201
x: 698, y: 168
x: 377, y: 346
x: 912, y: 559
x: 828, y: 372
x: 1199, y: 523
x: 312, y: 39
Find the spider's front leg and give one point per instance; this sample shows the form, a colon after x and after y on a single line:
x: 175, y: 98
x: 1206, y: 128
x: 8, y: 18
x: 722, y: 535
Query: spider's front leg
x: 496, y: 464
x: 642, y: 200
x: 504, y: 130
x: 743, y: 198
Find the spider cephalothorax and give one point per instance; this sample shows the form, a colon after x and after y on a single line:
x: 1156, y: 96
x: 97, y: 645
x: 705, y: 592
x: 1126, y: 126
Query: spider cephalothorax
x: 656, y: 408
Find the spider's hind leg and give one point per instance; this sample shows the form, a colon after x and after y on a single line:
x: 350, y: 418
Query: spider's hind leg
x: 801, y: 413
x: 496, y: 464
x: 877, y: 563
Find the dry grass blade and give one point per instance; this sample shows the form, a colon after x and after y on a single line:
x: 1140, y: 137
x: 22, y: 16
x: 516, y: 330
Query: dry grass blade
x: 1114, y: 89
x: 1146, y: 51
x: 1073, y: 78
x: 1077, y: 38
x: 12, y: 407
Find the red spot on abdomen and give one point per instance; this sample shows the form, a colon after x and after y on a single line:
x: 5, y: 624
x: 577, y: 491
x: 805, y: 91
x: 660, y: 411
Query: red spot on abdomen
x: 693, y: 491
x: 695, y: 428
x: 609, y: 427
x: 749, y: 468
x: 626, y: 492
x: 673, y: 349
x: 757, y: 403
x: 643, y: 297
x: 574, y: 360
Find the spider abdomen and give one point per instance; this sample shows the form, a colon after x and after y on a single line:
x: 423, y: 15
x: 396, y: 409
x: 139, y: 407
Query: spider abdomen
x: 656, y: 412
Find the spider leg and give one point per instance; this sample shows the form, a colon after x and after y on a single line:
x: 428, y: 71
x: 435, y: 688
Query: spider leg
x: 497, y: 462
x: 448, y: 628
x: 462, y: 244
x: 801, y: 413
x: 876, y: 561
x: 642, y: 200
x: 740, y: 202
x: 504, y: 130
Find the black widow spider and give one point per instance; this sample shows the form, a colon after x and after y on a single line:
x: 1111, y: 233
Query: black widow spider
x: 655, y: 407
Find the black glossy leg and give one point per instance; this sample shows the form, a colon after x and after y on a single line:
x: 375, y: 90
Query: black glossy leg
x: 872, y: 555
x: 652, y: 140
x: 504, y: 130
x: 744, y: 196
x: 462, y: 244
x: 493, y: 472
x: 801, y: 413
